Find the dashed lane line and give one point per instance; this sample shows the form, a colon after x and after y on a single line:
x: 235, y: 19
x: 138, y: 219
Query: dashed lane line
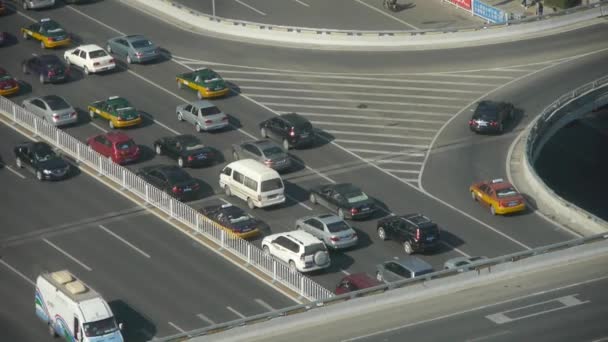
x: 10, y: 168
x: 250, y: 7
x: 123, y: 240
x: 302, y: 3
x: 383, y: 135
x: 17, y: 272
x: 363, y: 110
x: 235, y: 312
x: 325, y: 99
x: 67, y: 255
x: 176, y: 327
x: 205, y: 319
x: 264, y: 304
x: 387, y: 14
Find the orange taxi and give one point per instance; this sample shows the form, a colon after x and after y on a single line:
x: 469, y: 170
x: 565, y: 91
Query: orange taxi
x: 499, y: 195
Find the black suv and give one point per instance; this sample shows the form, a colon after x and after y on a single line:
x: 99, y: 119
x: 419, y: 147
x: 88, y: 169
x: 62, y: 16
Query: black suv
x: 48, y: 68
x: 415, y: 231
x: 292, y: 130
x: 490, y: 116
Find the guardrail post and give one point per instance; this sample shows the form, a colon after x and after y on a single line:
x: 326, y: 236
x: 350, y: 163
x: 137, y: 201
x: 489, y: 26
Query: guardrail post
x: 196, y: 222
x: 100, y: 165
x: 35, y: 127
x: 147, y: 195
x: 57, y: 137
x: 301, y: 287
x: 77, y: 153
x: 248, y: 255
x: 274, y: 271
x: 124, y: 180
x: 14, y: 114
x: 222, y: 237
x: 170, y: 209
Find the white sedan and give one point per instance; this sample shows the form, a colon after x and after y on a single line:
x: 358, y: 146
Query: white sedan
x: 91, y: 58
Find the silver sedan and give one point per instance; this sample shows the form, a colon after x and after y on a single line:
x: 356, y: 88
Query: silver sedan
x: 330, y: 229
x: 463, y: 261
x: 51, y: 108
x: 265, y: 151
x: 135, y: 48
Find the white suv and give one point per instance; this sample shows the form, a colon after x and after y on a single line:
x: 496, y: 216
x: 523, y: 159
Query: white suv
x: 301, y: 250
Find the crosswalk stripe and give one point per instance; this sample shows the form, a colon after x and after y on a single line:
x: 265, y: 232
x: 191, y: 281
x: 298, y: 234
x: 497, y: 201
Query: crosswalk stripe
x: 394, y: 153
x: 347, y: 124
x: 380, y: 143
x: 322, y: 99
x: 384, y: 135
x: 351, y: 109
x: 456, y: 74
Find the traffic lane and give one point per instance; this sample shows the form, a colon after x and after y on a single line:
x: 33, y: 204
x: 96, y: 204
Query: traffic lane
x: 120, y: 16
x: 18, y: 319
x: 340, y: 14
x: 32, y: 206
x: 521, y: 320
x: 471, y: 157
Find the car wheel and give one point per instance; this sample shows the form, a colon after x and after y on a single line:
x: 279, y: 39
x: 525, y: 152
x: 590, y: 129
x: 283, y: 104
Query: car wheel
x: 266, y: 250
x: 41, y: 79
x: 263, y: 132
x: 199, y: 95
x: 473, y: 196
x: 109, y: 48
x: 111, y: 124
x: 292, y: 266
x: 39, y: 175
x: 42, y: 45
x: 285, y: 144
x: 18, y: 162
x: 492, y: 210
x: 198, y: 128
x: 179, y: 85
x: 227, y: 191
x: 52, y: 331
x: 129, y: 60
x: 407, y: 247
x: 381, y: 233
x: 180, y: 162
x: 341, y: 213
x: 180, y: 117
x: 26, y: 36
x: 250, y: 203
x: 92, y: 114
x: 379, y: 277
x: 313, y: 199
x: 235, y: 156
x: 86, y: 70
x: 158, y: 149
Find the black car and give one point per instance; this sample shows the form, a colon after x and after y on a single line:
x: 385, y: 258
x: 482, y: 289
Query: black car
x: 347, y: 200
x: 415, y: 231
x: 3, y: 38
x: 291, y: 130
x: 40, y: 158
x: 234, y: 219
x: 48, y: 68
x: 186, y: 149
x: 171, y: 179
x: 491, y: 116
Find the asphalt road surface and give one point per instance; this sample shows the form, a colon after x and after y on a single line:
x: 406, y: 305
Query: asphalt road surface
x: 382, y: 112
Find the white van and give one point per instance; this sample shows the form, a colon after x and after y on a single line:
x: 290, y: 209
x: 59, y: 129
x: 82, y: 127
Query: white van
x: 73, y: 310
x: 253, y: 182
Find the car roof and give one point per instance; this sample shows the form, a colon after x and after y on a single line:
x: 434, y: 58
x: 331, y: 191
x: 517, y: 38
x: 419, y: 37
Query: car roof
x: 345, y: 187
x: 263, y: 143
x: 328, y: 218
x: 52, y: 97
x: 202, y: 104
x: 252, y: 165
x: 362, y: 280
x: 414, y: 264
x: 295, y: 119
x: 117, y: 137
x: 133, y: 37
x: 185, y: 137
x: 89, y: 47
x: 498, y: 184
x: 49, y: 58
x: 300, y: 236
x: 417, y: 219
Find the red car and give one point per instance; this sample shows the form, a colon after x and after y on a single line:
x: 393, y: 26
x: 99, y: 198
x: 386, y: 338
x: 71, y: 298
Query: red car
x: 8, y: 84
x: 355, y: 282
x: 115, y: 145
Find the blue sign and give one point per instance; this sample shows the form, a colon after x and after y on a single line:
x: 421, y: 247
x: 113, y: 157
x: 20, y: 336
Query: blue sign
x: 488, y: 12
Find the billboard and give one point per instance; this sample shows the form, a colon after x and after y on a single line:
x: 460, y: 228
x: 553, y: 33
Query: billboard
x: 491, y: 14
x: 465, y: 4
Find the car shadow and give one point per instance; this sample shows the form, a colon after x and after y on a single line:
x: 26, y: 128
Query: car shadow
x: 450, y: 241
x: 136, y: 326
x: 382, y: 210
x: 296, y: 193
x: 9, y: 40
x: 297, y: 164
x: 518, y: 116
x: 76, y: 39
x: 145, y: 154
x: 403, y: 7
x: 220, y: 158
x: 205, y: 190
x: 235, y: 90
x: 146, y: 120
x: 322, y: 138
x: 24, y: 88
x: 83, y: 118
x: 339, y: 262
x: 364, y: 239
x: 234, y: 122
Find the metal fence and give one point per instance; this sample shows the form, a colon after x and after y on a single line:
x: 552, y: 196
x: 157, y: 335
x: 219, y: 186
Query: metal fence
x: 553, y: 113
x: 485, y: 265
x: 128, y: 181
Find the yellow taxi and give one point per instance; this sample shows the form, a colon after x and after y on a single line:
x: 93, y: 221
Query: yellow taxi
x: 117, y: 110
x: 48, y: 32
x: 8, y: 84
x: 500, y: 196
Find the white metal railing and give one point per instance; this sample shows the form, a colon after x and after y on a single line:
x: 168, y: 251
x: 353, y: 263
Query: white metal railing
x: 128, y: 181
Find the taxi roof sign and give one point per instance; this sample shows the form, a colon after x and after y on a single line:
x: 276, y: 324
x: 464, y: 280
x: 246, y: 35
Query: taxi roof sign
x: 227, y: 205
x: 497, y: 180
x: 45, y: 19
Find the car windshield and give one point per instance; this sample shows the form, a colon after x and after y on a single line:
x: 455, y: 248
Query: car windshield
x: 44, y: 155
x: 486, y: 111
x: 356, y: 197
x: 273, y: 151
x: 178, y: 176
x: 51, y: 26
x: 97, y: 54
x: 5, y: 77
x: 56, y: 103
x: 506, y: 192
x: 99, y: 328
x: 239, y: 218
x: 314, y: 248
x: 125, y: 145
x: 210, y: 111
x: 211, y: 77
x: 272, y: 184
x: 124, y: 109
x: 337, y: 227
x: 141, y: 43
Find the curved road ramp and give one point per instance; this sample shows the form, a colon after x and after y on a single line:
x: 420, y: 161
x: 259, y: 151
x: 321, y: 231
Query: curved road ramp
x: 355, y: 315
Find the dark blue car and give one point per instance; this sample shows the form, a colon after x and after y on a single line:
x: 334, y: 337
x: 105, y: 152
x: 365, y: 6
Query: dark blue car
x: 48, y: 68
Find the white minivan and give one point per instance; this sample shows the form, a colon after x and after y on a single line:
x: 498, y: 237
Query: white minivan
x: 253, y: 182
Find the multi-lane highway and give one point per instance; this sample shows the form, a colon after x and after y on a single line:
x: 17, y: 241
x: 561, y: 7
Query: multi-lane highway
x: 383, y: 112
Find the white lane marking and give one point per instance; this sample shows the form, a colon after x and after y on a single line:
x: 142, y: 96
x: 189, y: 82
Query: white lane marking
x: 97, y: 21
x: 17, y: 272
x: 385, y: 126
x: 161, y: 124
x: 345, y: 272
x: 511, y: 70
x: 302, y: 3
x: 148, y: 334
x: 205, y: 319
x: 457, y: 74
x: 300, y: 203
x: 601, y: 339
x: 124, y: 241
x: 264, y: 304
x: 325, y: 99
x: 566, y: 301
x: 380, y: 143
x: 396, y: 79
x: 176, y: 327
x: 387, y: 14
x: 453, y: 247
x: 396, y: 153
x: 357, y: 93
x: 67, y: 255
x: 235, y: 312
x: 14, y: 171
x: 481, y: 338
x: 410, y: 180
x: 250, y: 7
x: 363, y: 110
x: 391, y: 161
x: 430, y: 122
x: 99, y: 127
x: 241, y: 82
x: 477, y: 308
x: 399, y: 136
x: 403, y: 171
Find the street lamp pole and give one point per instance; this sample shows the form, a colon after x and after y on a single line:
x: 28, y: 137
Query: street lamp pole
x: 213, y: 7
